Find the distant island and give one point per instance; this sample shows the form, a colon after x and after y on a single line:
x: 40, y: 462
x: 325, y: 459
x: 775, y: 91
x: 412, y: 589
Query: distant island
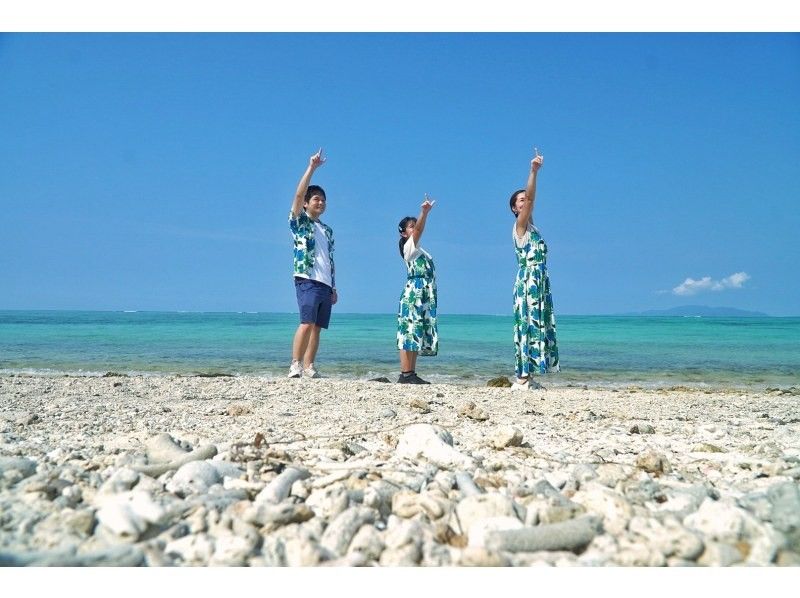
x: 700, y: 310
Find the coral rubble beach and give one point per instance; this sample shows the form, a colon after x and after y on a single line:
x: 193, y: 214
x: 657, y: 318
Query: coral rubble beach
x: 253, y: 471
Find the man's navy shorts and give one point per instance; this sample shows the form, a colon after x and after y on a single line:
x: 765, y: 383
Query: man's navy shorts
x: 314, y: 301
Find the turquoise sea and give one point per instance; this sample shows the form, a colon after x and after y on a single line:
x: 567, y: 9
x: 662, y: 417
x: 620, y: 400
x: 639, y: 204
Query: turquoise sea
x: 714, y: 352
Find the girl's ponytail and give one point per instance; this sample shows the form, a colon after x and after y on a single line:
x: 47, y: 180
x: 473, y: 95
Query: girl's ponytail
x: 401, y: 229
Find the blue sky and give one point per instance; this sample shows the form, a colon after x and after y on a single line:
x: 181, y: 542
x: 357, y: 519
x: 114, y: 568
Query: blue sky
x: 155, y: 171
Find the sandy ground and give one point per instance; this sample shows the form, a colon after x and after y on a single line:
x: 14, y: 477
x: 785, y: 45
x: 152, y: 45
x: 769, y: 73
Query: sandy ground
x: 641, y: 462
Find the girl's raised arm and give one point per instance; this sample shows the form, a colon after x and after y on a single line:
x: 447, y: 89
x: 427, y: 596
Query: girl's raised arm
x: 526, y: 212
x: 419, y: 227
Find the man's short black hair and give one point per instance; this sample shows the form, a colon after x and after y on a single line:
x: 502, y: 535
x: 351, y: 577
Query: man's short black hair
x: 314, y: 190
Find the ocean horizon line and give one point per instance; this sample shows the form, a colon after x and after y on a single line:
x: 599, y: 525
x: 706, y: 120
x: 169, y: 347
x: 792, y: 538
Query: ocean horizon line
x: 370, y: 313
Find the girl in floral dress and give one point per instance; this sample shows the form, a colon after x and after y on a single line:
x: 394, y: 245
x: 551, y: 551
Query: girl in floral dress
x: 416, y: 318
x: 535, y: 348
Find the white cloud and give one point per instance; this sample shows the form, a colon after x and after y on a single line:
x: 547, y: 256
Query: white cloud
x: 690, y: 286
x: 735, y: 281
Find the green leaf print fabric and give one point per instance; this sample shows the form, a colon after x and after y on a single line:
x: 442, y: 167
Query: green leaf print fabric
x: 302, y: 229
x: 416, y: 317
x: 535, y: 348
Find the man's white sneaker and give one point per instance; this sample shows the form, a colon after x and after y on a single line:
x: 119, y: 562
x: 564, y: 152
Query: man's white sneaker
x: 295, y: 370
x: 311, y: 372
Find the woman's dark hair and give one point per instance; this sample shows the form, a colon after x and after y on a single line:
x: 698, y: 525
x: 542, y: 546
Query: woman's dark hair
x: 514, y: 199
x: 314, y: 190
x: 401, y: 228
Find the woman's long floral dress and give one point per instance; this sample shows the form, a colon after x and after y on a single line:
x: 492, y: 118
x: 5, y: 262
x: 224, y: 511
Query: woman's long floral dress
x: 416, y: 316
x: 535, y: 348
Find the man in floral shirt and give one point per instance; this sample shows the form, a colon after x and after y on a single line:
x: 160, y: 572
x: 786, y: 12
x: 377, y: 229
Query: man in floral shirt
x: 314, y: 272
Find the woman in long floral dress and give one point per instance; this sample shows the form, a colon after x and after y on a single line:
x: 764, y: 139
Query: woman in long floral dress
x: 535, y: 348
x: 417, y: 332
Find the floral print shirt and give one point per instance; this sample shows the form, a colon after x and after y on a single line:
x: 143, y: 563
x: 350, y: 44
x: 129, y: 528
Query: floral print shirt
x: 302, y: 229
